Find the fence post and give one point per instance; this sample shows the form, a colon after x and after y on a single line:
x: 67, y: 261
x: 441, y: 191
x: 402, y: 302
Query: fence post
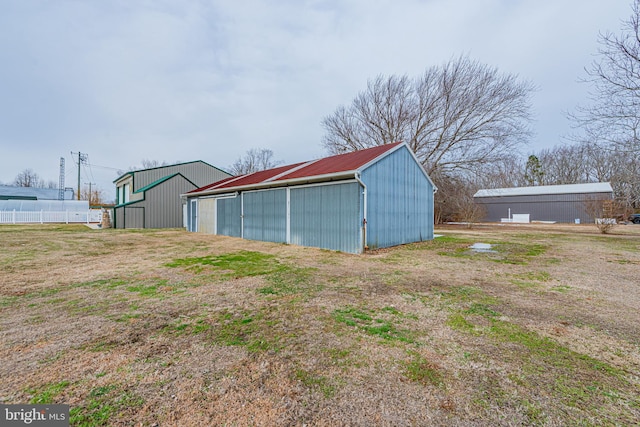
x: 41, y: 217
x: 66, y: 216
x: 88, y: 213
x: 13, y: 220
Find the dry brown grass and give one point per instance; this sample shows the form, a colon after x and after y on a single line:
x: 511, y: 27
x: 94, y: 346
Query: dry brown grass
x: 161, y: 327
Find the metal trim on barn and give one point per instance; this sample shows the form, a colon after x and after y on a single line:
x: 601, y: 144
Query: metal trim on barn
x: 549, y: 203
x: 371, y: 198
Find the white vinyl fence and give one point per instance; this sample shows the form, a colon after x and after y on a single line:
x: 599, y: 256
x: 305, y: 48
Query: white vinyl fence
x: 42, y: 217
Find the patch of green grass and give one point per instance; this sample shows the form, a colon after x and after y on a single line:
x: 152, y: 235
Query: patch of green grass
x: 7, y: 301
x: 46, y: 394
x: 421, y: 370
x: 127, y: 317
x: 102, y: 404
x: 536, y: 276
x: 338, y: 354
x: 517, y: 253
x: 481, y: 310
x: 232, y: 265
x: 368, y: 322
x: 319, y: 382
x: 44, y: 292
x: 106, y: 284
x: 535, y: 415
x: 561, y: 288
x: 101, y: 345
x: 458, y: 322
x: 525, y: 284
x: 467, y: 294
x: 195, y: 326
x: 288, y: 281
x: 254, y: 331
x: 145, y: 290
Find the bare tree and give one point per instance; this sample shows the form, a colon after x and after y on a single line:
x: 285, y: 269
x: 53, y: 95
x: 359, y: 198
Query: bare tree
x: 93, y: 194
x: 149, y: 164
x: 603, y: 212
x: 508, y: 172
x: 613, y: 118
x: 28, y: 178
x: 146, y: 164
x: 454, y: 199
x: 253, y: 161
x: 455, y: 116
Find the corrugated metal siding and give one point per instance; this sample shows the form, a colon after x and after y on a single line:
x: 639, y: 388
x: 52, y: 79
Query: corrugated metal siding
x: 206, y: 216
x: 163, y: 208
x: 130, y: 216
x: 197, y: 172
x: 228, y: 217
x: 558, y: 207
x: 265, y: 215
x: 399, y: 201
x: 327, y: 216
x: 118, y: 215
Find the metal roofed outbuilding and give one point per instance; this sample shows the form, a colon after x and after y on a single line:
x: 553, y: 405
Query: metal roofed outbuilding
x: 150, y: 198
x: 372, y: 198
x: 558, y: 203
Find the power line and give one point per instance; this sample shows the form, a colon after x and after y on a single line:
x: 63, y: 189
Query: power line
x: 106, y: 167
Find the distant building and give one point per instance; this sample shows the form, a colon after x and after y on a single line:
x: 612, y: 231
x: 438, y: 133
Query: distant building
x: 150, y: 198
x: 31, y: 199
x: 9, y: 192
x: 558, y: 203
x: 373, y: 198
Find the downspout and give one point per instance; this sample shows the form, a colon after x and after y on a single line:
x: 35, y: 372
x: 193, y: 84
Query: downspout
x: 364, y: 220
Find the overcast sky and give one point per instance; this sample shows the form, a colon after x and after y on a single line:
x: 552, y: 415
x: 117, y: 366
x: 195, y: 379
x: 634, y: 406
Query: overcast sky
x: 178, y: 80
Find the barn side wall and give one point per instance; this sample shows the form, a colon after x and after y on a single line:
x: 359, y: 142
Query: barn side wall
x: 328, y: 216
x: 265, y: 215
x: 399, y: 201
x: 548, y: 207
x: 229, y: 217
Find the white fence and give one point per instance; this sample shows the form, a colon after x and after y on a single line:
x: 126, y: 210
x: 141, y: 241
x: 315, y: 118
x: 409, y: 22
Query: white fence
x: 42, y: 217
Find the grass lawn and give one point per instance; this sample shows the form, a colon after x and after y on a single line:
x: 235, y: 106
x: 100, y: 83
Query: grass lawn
x: 165, y: 327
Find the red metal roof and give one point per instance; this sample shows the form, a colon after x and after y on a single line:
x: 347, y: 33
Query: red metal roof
x: 326, y: 166
x: 340, y: 163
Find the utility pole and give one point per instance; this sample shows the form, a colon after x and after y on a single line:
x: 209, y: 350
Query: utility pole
x: 81, y: 158
x: 90, y: 193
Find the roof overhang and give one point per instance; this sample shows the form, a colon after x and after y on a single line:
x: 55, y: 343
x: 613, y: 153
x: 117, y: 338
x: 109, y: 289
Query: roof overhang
x: 274, y: 184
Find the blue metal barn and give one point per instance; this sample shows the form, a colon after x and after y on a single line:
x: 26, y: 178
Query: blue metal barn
x: 367, y: 199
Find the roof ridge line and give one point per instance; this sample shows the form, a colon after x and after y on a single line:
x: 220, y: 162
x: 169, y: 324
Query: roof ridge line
x: 291, y: 170
x: 232, y: 179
